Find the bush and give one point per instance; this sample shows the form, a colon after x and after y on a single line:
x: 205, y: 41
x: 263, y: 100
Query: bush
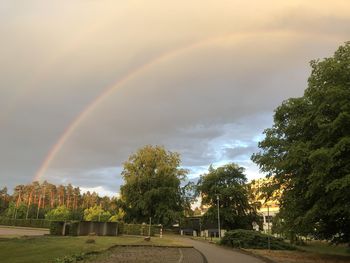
x: 97, y: 214
x: 252, y: 239
x: 73, y: 228
x: 137, y: 229
x: 120, y: 228
x: 56, y: 228
x: 36, y: 223
x: 60, y: 213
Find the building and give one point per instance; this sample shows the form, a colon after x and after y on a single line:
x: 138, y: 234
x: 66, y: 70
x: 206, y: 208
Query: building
x: 268, y: 208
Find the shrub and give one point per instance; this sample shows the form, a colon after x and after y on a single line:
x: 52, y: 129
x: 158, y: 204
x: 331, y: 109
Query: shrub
x: 137, y: 229
x: 90, y: 241
x: 120, y: 228
x: 73, y: 228
x: 96, y: 213
x: 60, y: 213
x: 252, y: 239
x: 56, y: 228
x: 37, y: 223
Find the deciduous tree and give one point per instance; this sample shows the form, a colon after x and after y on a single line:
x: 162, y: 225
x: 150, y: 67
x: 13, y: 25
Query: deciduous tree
x: 152, y: 186
x: 228, y: 183
x: 308, y: 152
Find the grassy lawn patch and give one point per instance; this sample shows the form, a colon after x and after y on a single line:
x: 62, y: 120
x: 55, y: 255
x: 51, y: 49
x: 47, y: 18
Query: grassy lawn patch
x: 313, y: 252
x: 295, y: 256
x: 48, y: 248
x: 326, y: 248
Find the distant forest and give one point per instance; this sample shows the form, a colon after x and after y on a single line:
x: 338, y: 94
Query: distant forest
x: 35, y: 200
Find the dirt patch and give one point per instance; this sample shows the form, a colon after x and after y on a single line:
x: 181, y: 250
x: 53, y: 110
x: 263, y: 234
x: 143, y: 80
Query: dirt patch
x: 21, y: 231
x: 148, y: 254
x: 298, y: 256
x: 139, y: 254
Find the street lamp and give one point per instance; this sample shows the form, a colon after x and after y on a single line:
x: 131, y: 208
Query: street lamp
x: 218, y: 204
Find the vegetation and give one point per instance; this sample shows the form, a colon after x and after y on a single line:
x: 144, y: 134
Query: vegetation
x: 49, y: 249
x: 323, y: 247
x: 153, y: 186
x: 308, y: 152
x: 229, y: 184
x: 60, y: 213
x: 240, y: 238
x: 96, y: 213
x: 39, y: 201
x: 35, y: 223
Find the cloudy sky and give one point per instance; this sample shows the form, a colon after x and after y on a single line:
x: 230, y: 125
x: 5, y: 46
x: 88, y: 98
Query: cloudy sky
x: 85, y: 83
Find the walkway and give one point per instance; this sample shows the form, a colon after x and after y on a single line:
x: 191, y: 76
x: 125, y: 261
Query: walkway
x: 215, y: 254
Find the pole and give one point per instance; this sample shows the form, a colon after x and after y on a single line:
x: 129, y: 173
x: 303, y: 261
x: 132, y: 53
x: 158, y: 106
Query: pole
x: 149, y: 228
x: 218, y: 203
x: 268, y: 227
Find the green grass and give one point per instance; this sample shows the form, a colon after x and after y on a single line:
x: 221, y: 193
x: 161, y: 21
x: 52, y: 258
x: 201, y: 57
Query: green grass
x: 48, y: 248
x: 325, y: 248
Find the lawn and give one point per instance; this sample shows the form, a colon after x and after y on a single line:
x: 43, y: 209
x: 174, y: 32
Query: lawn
x: 313, y: 252
x: 326, y: 248
x: 48, y: 248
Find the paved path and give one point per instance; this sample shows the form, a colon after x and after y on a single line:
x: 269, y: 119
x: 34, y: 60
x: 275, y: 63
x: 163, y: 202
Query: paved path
x: 22, y: 231
x: 215, y: 254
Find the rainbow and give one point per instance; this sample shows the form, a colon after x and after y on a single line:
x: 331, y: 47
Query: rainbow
x: 119, y: 83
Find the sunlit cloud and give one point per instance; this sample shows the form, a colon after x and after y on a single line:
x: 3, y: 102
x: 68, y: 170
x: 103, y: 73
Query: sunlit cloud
x: 206, y: 77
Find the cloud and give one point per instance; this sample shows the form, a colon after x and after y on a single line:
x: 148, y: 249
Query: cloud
x: 227, y: 67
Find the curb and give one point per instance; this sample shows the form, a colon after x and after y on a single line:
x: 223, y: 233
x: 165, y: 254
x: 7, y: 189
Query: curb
x: 205, y: 260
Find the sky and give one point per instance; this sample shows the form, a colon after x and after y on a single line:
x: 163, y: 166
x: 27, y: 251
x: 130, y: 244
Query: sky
x: 85, y: 83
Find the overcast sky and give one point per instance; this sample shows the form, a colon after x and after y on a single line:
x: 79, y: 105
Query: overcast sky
x: 200, y: 77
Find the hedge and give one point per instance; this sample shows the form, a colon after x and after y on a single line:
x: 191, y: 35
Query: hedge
x: 138, y: 229
x: 241, y: 238
x: 56, y: 228
x: 36, y: 223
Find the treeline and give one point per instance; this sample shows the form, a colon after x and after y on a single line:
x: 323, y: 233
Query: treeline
x: 35, y: 200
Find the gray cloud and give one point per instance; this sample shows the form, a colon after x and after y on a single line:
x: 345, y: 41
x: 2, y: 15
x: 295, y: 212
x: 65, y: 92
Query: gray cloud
x: 209, y: 101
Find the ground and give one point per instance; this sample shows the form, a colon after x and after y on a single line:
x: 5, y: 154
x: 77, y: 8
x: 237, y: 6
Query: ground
x: 148, y: 255
x: 8, y: 231
x: 299, y: 256
x: 21, y: 245
x: 16, y: 248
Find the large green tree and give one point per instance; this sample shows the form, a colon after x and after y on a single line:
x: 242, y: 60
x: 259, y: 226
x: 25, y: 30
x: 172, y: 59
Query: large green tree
x: 308, y: 152
x: 153, y: 186
x: 227, y: 182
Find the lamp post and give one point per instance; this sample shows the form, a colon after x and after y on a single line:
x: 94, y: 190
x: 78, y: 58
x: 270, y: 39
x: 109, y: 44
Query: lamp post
x: 268, y: 227
x: 218, y: 204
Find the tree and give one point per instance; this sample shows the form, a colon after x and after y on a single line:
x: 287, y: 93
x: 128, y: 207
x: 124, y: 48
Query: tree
x: 4, y: 199
x: 96, y: 213
x: 153, y: 186
x: 227, y: 182
x: 119, y: 216
x: 61, y: 213
x: 308, y: 152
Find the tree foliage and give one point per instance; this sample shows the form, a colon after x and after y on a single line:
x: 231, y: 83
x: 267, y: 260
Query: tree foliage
x: 96, y: 213
x: 308, y: 152
x: 153, y: 186
x: 35, y: 200
x: 227, y: 182
x: 61, y: 213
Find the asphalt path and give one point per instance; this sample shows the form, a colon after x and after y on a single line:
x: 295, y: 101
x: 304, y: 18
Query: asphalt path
x: 217, y: 254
